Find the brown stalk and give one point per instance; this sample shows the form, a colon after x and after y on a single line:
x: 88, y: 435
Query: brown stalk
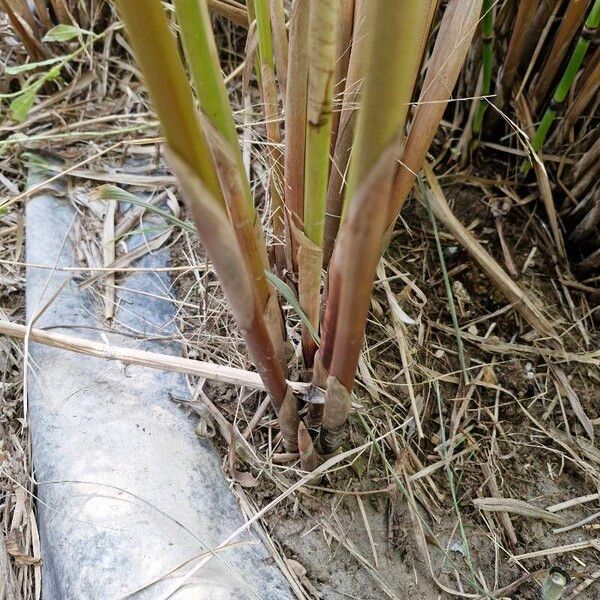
x: 451, y: 46
x: 352, y: 269
x: 345, y: 131
x: 309, y: 459
x: 355, y: 259
x: 591, y: 157
x: 61, y: 11
x: 295, y: 122
x: 343, y: 51
x: 280, y: 45
x: 21, y: 7
x: 42, y: 10
x: 569, y: 26
x: 24, y: 30
x: 521, y: 28
x: 248, y: 231
x: 220, y: 240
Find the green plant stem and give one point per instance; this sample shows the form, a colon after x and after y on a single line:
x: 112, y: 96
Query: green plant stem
x: 295, y: 123
x: 322, y: 34
x: 263, y: 31
x: 487, y: 36
x: 156, y: 51
x: 451, y: 483
x: 564, y: 85
x: 201, y: 53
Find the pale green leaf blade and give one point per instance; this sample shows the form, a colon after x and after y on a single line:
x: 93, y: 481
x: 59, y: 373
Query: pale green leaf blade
x: 21, y: 105
x: 286, y: 291
x: 17, y: 69
x: 62, y: 33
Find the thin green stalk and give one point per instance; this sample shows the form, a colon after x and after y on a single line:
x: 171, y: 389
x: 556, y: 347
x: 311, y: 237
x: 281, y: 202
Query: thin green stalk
x: 322, y: 48
x: 446, y: 278
x: 201, y: 53
x: 295, y: 124
x: 156, y: 52
x: 487, y: 37
x: 263, y: 31
x: 451, y: 483
x: 322, y: 30
x: 585, y: 39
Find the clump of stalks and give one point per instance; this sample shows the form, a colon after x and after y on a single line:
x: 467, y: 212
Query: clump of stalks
x: 549, y: 68
x: 342, y: 84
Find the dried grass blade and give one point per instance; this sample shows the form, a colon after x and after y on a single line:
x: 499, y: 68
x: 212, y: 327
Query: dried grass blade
x: 108, y: 256
x: 521, y: 300
x: 398, y: 322
x: 575, y: 402
x: 518, y: 507
x: 150, y: 245
x: 133, y: 356
x: 236, y: 13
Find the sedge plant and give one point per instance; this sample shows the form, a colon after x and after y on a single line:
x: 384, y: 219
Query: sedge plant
x: 342, y: 166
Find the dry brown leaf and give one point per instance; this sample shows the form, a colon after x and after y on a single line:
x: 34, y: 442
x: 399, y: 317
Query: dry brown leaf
x: 522, y: 302
x: 518, y: 507
x: 575, y: 402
